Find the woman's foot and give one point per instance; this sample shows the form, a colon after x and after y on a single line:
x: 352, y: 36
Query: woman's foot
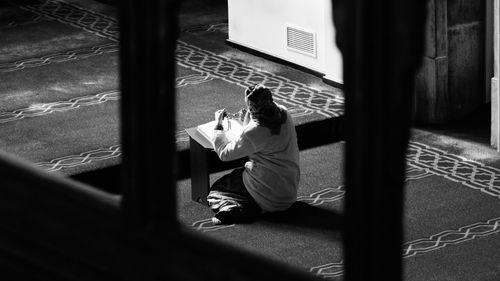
x: 216, y: 221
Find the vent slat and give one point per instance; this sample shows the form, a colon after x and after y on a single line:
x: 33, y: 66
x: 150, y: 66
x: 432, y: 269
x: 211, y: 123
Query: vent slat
x: 305, y: 45
x: 301, y: 41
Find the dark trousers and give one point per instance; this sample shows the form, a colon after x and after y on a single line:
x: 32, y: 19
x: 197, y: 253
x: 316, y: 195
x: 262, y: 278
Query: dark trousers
x: 230, y: 200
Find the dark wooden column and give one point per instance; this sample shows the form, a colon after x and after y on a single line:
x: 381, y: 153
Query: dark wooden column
x: 148, y: 31
x: 450, y: 83
x: 382, y: 45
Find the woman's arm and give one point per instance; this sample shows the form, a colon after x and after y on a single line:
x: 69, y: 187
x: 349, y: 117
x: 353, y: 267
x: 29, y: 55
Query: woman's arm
x: 229, y: 150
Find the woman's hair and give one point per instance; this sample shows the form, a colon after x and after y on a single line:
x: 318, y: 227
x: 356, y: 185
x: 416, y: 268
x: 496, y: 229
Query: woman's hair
x: 264, y: 111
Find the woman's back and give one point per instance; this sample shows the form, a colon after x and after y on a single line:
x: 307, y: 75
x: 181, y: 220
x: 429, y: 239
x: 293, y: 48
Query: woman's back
x: 272, y: 174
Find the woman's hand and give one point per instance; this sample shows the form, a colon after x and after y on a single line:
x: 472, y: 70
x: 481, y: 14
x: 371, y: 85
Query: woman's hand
x: 243, y: 114
x: 219, y: 115
x: 246, y: 117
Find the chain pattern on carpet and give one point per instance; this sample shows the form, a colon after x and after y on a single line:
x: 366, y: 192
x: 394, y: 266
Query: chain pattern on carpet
x: 41, y: 109
x: 71, y: 55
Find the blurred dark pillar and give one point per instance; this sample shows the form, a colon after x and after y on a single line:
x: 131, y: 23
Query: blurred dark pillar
x: 382, y: 45
x: 148, y: 31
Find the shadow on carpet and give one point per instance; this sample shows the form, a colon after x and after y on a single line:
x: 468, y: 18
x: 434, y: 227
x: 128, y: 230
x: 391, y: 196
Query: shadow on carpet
x: 304, y: 215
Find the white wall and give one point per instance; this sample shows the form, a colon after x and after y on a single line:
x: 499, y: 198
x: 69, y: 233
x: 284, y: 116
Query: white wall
x: 261, y: 25
x: 333, y: 59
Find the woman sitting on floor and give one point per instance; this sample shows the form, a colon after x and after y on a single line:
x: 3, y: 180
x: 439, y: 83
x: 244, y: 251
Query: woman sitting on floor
x: 269, y: 180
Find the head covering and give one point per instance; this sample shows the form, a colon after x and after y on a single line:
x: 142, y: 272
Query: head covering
x: 264, y: 111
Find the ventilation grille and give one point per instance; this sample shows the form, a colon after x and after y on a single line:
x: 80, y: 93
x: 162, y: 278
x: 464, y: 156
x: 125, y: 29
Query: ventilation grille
x: 301, y: 41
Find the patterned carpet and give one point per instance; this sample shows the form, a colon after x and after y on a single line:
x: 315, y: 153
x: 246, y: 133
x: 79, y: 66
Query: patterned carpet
x: 59, y: 96
x: 223, y: 78
x: 451, y: 205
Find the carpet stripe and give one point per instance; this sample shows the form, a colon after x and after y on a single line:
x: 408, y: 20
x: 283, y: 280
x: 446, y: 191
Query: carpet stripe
x: 286, y: 91
x: 42, y: 109
x: 71, y: 55
x: 327, y: 195
x: 332, y: 194
x: 425, y: 245
x: 72, y: 161
x: 90, y: 157
x: 329, y: 270
x: 451, y: 237
x: 455, y: 168
x: 206, y: 225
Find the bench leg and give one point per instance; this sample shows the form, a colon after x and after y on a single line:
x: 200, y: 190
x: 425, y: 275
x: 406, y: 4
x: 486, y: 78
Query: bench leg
x: 200, y: 182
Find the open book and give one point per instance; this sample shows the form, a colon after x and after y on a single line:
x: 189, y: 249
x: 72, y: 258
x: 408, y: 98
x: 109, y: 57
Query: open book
x: 232, y: 127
